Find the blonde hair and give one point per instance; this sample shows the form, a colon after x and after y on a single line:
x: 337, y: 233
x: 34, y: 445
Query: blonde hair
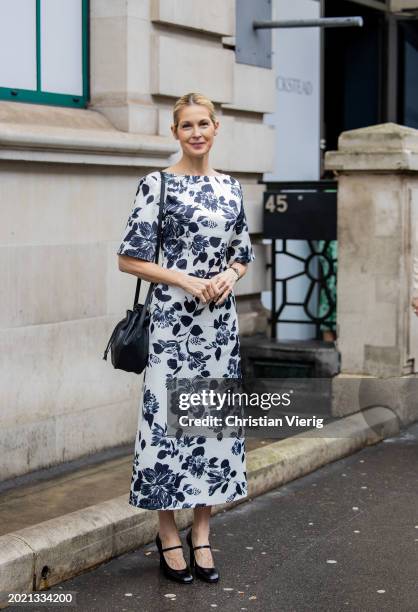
x: 188, y: 100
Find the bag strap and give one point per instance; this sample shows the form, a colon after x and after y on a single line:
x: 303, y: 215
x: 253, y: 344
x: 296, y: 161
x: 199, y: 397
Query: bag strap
x: 157, y: 250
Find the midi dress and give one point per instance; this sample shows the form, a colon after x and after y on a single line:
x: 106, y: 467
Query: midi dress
x: 204, y: 229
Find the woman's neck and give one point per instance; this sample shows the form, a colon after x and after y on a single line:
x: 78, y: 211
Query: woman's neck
x: 188, y: 165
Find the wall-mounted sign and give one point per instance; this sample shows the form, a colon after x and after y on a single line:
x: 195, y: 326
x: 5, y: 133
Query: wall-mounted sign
x: 300, y: 210
x: 252, y: 46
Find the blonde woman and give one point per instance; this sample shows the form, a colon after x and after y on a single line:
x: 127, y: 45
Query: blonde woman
x: 193, y: 332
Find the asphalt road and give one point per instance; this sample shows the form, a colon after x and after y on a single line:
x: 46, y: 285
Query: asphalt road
x: 342, y: 538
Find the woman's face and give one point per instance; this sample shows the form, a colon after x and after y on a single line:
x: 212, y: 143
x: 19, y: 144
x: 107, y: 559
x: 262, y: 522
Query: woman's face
x: 195, y: 130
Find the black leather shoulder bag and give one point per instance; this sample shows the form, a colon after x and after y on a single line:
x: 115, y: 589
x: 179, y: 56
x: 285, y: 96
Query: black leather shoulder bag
x: 129, y: 342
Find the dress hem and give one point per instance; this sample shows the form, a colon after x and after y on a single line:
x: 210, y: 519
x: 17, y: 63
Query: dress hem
x: 197, y: 504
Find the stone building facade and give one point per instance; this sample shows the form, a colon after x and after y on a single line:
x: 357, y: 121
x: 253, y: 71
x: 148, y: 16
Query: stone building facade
x: 68, y: 180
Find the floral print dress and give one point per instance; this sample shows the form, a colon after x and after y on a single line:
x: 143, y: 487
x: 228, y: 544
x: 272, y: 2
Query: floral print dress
x: 204, y: 229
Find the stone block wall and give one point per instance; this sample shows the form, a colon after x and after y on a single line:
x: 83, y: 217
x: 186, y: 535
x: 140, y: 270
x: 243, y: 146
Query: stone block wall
x: 68, y: 181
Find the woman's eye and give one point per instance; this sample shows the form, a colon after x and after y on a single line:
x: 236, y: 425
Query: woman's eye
x: 187, y: 125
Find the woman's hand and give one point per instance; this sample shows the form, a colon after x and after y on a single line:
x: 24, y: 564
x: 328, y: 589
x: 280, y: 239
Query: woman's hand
x: 414, y: 304
x: 224, y: 283
x: 202, y: 288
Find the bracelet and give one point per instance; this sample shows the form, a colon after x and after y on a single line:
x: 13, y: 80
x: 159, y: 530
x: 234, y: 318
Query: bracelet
x: 236, y: 272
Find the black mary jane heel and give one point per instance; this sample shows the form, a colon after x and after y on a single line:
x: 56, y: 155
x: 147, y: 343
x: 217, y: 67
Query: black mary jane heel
x: 183, y: 575
x: 208, y: 574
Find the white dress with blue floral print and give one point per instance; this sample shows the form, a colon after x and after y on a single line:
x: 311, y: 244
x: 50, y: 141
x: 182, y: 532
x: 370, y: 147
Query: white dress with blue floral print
x: 204, y: 229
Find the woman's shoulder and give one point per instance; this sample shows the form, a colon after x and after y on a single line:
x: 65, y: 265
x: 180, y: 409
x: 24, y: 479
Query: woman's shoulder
x: 153, y: 177
x: 234, y: 183
x: 149, y: 182
x: 148, y: 186
x: 228, y: 178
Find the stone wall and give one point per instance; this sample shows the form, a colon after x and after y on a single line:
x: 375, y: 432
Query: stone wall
x: 68, y: 180
x: 377, y: 170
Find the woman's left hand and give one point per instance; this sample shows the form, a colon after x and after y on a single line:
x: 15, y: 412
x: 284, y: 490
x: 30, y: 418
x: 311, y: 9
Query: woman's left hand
x: 414, y: 304
x: 224, y: 282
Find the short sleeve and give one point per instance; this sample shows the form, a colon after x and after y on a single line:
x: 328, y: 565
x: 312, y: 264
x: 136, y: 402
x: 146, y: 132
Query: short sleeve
x: 240, y: 248
x: 140, y: 236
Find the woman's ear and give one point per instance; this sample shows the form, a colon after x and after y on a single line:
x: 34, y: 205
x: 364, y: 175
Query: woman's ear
x: 174, y: 131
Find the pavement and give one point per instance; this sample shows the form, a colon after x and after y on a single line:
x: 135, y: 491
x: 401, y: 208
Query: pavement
x: 48, y: 494
x: 342, y: 537
x: 54, y: 532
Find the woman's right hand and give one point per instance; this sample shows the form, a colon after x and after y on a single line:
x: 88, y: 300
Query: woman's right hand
x: 202, y: 288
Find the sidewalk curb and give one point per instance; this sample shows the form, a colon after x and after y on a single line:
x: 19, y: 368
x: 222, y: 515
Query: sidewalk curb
x: 37, y: 557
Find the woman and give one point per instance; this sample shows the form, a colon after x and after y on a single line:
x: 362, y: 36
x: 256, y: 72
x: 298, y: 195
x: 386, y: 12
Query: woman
x: 193, y: 332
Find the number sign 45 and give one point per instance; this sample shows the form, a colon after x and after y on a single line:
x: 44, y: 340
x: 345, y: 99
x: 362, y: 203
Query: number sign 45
x: 276, y: 203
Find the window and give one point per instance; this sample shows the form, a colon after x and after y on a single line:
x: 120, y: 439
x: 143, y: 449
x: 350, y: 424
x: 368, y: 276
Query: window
x: 44, y: 51
x: 408, y: 71
x: 370, y: 72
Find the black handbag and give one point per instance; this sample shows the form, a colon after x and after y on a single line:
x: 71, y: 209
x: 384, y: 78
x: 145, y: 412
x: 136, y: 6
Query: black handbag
x: 129, y: 342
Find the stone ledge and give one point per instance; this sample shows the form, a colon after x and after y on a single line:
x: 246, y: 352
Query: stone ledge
x: 376, y: 162
x: 51, y: 134
x: 381, y: 148
x: 379, y: 138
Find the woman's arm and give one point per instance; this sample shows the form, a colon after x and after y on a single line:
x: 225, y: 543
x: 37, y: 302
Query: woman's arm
x: 242, y: 268
x: 149, y: 271
x: 202, y: 288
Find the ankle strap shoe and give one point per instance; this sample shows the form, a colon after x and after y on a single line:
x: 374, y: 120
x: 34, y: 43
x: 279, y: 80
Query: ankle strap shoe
x: 208, y: 574
x: 183, y: 575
